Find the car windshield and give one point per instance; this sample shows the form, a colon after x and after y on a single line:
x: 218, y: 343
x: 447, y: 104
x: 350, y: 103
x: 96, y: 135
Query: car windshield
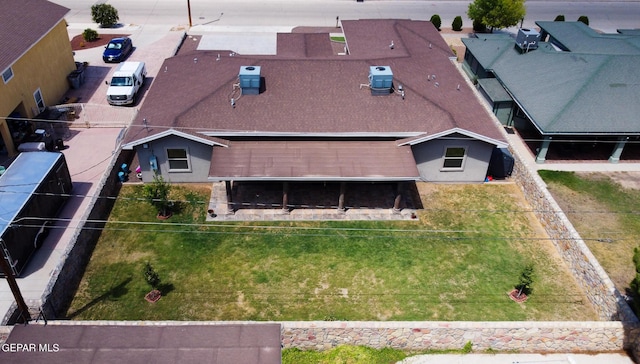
x: 114, y: 46
x: 121, y: 81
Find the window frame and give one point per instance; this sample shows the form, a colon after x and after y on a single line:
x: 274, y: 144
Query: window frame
x: 462, y: 158
x: 186, y: 159
x: 39, y: 93
x: 6, y: 80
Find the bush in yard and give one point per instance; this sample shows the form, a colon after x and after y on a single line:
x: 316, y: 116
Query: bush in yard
x: 526, y: 279
x: 559, y: 18
x: 479, y: 27
x: 89, y: 35
x: 104, y: 14
x: 457, y: 23
x: 436, y: 21
x: 157, y: 193
x: 635, y: 284
x: 151, y: 276
x: 584, y: 19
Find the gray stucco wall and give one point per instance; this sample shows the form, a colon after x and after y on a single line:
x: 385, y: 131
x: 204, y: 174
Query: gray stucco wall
x: 199, y: 160
x: 429, y: 160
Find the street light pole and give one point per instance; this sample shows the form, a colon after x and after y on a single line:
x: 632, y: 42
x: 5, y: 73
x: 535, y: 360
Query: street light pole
x: 189, y: 11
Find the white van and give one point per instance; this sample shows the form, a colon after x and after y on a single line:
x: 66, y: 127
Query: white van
x: 126, y: 82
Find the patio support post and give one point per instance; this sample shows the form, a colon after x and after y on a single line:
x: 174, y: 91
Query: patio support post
x: 541, y: 155
x: 398, y: 199
x: 343, y: 189
x: 227, y: 186
x: 285, y: 197
x: 618, y: 149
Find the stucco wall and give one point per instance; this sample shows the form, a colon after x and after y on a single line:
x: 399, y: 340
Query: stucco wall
x: 199, y: 157
x: 429, y: 159
x: 46, y: 66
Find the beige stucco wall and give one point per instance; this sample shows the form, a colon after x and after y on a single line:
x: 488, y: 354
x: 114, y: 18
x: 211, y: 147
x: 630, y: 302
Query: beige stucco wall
x: 44, y: 66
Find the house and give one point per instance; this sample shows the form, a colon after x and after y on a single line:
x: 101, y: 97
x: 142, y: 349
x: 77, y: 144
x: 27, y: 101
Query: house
x: 35, y: 60
x: 389, y: 107
x: 571, y: 91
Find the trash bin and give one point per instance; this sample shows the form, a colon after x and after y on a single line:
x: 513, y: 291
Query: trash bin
x: 59, y: 144
x: 75, y: 79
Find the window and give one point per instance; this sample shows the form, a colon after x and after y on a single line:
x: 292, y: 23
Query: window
x: 39, y: 101
x: 7, y: 74
x: 178, y: 160
x: 454, y: 158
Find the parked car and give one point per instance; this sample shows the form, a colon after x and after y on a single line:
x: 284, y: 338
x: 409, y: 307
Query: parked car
x: 117, y: 50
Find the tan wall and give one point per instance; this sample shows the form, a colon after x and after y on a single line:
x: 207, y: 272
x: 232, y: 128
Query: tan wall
x: 45, y: 66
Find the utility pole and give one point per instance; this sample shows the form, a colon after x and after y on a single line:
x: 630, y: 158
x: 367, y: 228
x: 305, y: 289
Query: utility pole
x: 189, y: 11
x: 11, y: 279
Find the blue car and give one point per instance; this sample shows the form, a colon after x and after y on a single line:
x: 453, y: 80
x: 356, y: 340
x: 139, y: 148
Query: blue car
x: 117, y: 50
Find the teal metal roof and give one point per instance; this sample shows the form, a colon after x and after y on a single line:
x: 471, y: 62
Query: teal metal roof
x: 494, y: 89
x: 574, y: 93
x: 578, y: 37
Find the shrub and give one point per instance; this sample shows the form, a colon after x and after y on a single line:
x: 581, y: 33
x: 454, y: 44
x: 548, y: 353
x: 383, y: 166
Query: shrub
x: 584, y: 19
x: 436, y: 21
x: 457, y: 23
x: 151, y: 276
x: 559, y: 18
x: 635, y: 284
x: 104, y: 14
x: 157, y: 193
x: 526, y: 279
x: 478, y: 27
x: 89, y: 35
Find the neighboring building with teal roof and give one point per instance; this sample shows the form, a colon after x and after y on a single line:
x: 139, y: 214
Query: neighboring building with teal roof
x: 575, y: 86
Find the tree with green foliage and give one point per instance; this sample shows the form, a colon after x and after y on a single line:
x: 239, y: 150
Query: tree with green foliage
x: 559, y: 18
x: 436, y: 21
x: 457, y: 23
x: 104, y: 14
x: 526, y: 280
x: 151, y: 276
x: 635, y: 283
x: 497, y: 13
x: 157, y: 193
x: 584, y: 19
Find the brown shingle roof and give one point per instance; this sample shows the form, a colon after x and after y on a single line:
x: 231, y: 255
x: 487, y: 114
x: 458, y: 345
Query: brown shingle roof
x: 322, y: 94
x: 22, y: 24
x: 314, y: 160
x: 309, y: 92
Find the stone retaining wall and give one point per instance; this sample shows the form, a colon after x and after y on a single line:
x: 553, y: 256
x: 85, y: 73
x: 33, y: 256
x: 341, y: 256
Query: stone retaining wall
x: 538, y: 337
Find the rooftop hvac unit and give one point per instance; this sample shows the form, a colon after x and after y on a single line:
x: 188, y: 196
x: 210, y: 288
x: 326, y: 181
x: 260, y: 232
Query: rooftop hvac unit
x: 249, y: 80
x: 527, y: 39
x: 381, y: 80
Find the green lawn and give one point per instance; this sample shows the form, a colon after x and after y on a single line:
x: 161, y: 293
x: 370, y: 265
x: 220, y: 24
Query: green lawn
x: 605, y: 214
x: 456, y: 263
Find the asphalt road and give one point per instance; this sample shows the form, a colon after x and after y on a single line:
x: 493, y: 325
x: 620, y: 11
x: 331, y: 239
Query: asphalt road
x: 603, y: 15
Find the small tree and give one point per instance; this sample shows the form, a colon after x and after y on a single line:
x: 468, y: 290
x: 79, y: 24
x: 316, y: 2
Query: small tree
x: 157, y: 193
x: 151, y: 276
x: 436, y: 21
x: 559, y: 18
x: 497, y: 13
x: 104, y: 14
x: 457, y: 23
x: 89, y: 35
x: 584, y: 19
x: 526, y: 280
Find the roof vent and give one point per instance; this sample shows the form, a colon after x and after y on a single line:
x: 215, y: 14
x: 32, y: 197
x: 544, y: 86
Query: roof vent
x: 527, y: 39
x: 250, y: 80
x: 380, y: 80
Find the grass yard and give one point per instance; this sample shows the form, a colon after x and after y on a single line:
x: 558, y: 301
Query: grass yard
x: 456, y: 263
x: 606, y: 216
